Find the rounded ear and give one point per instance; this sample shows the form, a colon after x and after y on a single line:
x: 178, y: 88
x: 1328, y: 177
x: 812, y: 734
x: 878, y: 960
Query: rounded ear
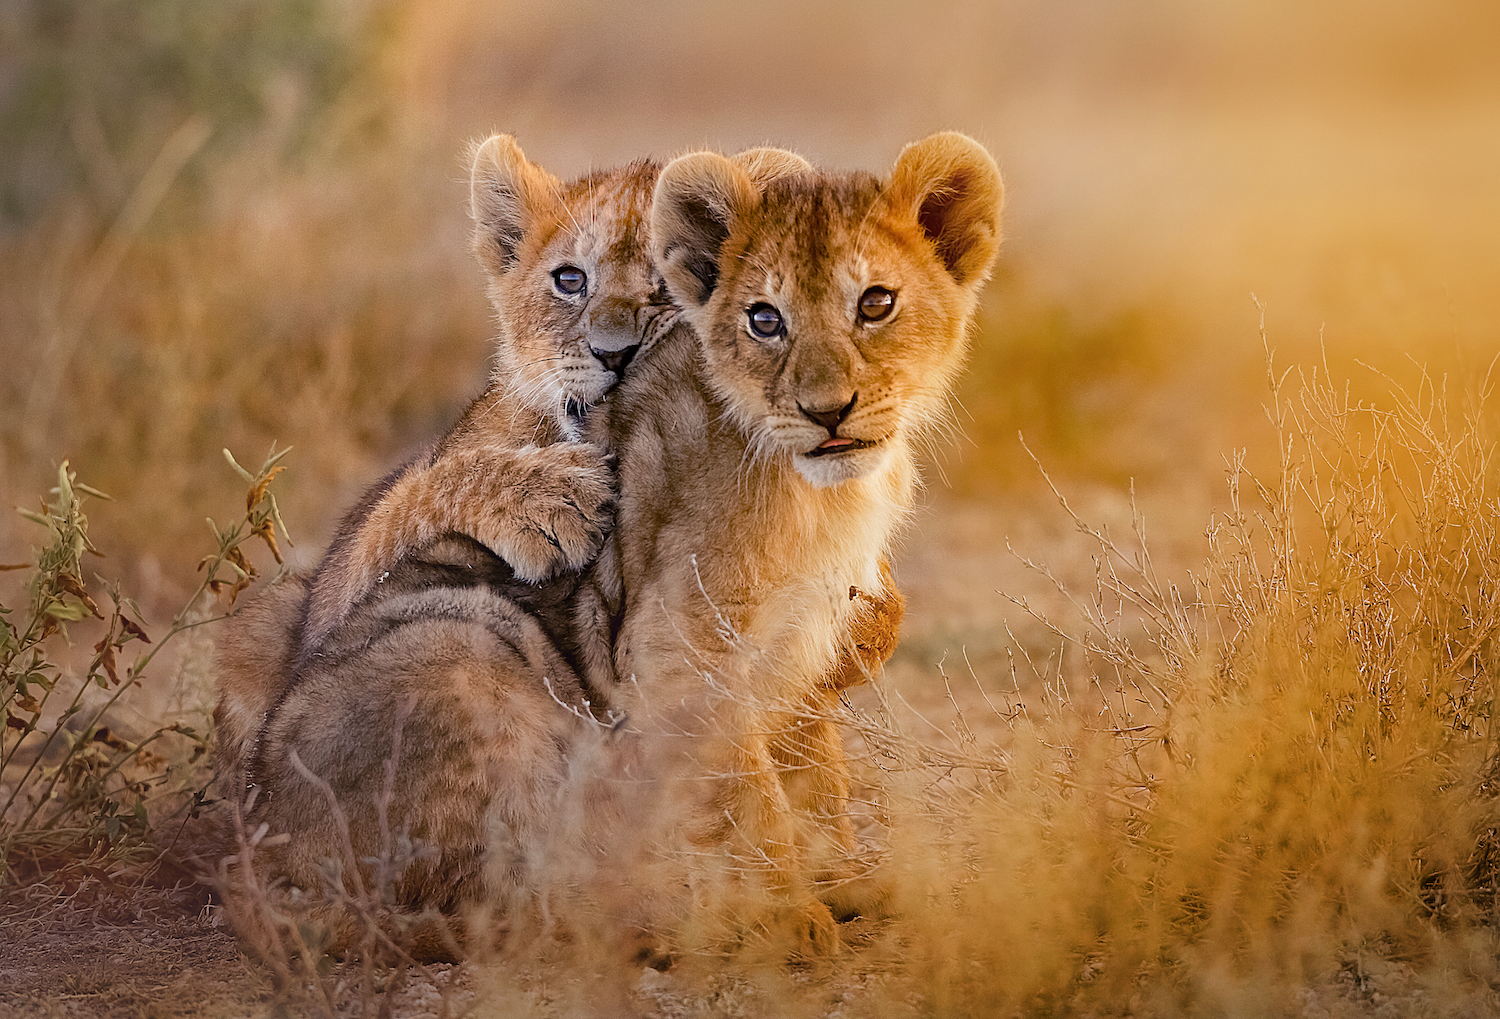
x: 952, y: 187
x: 698, y: 196
x: 507, y: 194
x: 765, y: 164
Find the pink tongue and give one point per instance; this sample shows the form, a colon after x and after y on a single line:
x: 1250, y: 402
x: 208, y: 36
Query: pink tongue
x: 836, y: 443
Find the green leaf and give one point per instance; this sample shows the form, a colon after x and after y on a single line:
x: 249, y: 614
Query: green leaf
x: 276, y: 516
x: 66, y: 608
x: 90, y: 490
x: 64, y: 487
x: 272, y: 458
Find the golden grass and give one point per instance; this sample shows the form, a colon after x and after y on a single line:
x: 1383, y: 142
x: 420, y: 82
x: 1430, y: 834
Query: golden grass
x: 1266, y: 788
x: 1258, y: 790
x: 1231, y: 788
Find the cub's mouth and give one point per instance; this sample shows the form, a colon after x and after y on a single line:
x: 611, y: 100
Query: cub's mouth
x: 839, y: 444
x: 576, y: 409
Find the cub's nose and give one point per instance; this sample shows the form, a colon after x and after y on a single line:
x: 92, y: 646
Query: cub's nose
x: 616, y: 360
x: 829, y: 419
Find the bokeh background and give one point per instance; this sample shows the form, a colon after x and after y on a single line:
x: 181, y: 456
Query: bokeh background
x: 242, y: 222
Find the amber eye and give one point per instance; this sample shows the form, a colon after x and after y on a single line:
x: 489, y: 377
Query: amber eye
x: 569, y: 280
x: 765, y: 321
x: 876, y: 304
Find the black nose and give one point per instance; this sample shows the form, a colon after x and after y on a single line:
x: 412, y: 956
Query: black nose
x: 616, y: 360
x: 829, y: 419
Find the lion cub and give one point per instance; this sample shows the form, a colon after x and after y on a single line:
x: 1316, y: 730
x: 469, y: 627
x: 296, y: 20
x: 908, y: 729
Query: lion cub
x: 765, y: 461
x: 441, y: 619
x: 421, y: 628
x: 578, y: 301
x: 577, y: 297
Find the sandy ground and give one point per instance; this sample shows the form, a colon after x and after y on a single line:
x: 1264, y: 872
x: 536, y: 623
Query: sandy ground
x: 104, y: 953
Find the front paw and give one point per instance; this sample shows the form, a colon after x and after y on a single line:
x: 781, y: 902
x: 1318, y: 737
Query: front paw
x: 558, y: 509
x: 804, y: 933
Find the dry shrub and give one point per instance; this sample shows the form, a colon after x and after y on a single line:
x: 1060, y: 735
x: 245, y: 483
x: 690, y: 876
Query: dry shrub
x: 1263, y: 791
x: 1233, y: 794
x: 82, y: 799
x: 207, y: 261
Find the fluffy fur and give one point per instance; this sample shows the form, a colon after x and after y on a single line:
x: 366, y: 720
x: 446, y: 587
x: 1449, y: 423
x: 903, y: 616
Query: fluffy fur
x: 511, y: 474
x: 424, y: 637
x: 421, y: 644
x: 762, y: 476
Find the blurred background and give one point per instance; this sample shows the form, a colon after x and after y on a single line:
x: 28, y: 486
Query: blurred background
x: 242, y: 222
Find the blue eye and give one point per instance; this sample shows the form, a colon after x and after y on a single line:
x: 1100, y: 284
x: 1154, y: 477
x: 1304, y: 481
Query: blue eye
x: 765, y: 321
x: 570, y: 280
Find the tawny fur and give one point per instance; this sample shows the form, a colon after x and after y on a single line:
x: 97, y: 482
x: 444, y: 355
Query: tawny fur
x: 425, y: 606
x: 507, y: 474
x: 422, y: 609
x: 737, y: 546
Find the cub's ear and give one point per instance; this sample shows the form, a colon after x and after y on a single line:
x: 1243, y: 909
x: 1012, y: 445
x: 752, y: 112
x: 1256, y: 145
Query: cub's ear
x: 698, y: 197
x: 765, y: 164
x: 507, y: 195
x: 952, y: 186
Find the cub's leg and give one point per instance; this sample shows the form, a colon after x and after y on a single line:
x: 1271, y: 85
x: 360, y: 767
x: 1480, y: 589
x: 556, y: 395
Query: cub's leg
x: 814, y: 773
x: 408, y: 776
x: 809, y: 753
x: 872, y: 634
x: 543, y: 509
x: 751, y: 887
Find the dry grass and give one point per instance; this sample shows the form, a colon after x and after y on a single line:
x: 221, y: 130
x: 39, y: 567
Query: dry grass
x: 1225, y: 793
x: 1265, y: 788
x: 78, y: 797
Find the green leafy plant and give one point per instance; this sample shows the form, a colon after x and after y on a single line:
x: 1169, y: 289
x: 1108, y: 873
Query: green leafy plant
x: 76, y: 794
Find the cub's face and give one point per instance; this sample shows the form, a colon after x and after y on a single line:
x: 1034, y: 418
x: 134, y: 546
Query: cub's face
x: 831, y: 308
x: 570, y: 275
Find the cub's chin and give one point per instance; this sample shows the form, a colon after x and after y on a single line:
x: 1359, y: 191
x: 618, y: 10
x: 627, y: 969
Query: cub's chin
x: 826, y: 469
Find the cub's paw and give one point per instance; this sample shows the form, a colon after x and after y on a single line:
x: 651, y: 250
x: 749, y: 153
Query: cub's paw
x: 554, y: 509
x: 813, y: 932
x: 801, y: 933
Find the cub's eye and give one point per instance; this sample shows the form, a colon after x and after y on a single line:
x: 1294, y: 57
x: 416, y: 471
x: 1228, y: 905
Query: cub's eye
x: 569, y: 280
x: 765, y: 321
x: 876, y: 304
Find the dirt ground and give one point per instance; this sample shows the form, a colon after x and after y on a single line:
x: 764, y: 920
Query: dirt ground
x: 105, y: 953
x: 102, y: 953
x: 138, y: 957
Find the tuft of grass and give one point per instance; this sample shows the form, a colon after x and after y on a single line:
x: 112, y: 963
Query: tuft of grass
x: 80, y: 800
x: 1250, y: 790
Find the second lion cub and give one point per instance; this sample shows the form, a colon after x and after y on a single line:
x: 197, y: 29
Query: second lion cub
x: 413, y: 633
x: 567, y: 265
